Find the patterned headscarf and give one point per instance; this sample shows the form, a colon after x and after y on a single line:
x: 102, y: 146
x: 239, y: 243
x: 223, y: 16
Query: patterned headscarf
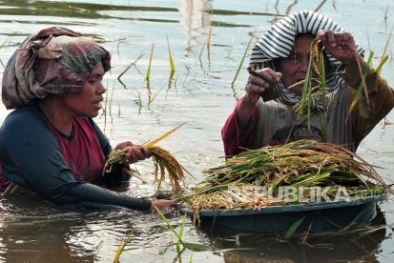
x: 279, y: 40
x: 56, y: 60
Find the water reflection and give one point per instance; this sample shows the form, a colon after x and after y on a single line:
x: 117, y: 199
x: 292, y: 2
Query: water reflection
x: 80, y: 9
x: 30, y: 228
x: 195, y: 18
x: 40, y: 232
x: 357, y: 245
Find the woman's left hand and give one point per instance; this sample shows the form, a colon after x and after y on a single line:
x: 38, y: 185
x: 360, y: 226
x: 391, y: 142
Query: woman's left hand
x: 134, y: 152
x: 340, y: 45
x: 163, y: 204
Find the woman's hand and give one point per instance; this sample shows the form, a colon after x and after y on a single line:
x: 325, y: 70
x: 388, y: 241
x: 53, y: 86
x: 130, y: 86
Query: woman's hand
x: 162, y: 204
x: 340, y: 45
x: 260, y: 84
x: 134, y: 152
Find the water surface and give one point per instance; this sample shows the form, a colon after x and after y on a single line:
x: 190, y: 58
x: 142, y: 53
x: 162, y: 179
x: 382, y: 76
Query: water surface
x: 200, y: 93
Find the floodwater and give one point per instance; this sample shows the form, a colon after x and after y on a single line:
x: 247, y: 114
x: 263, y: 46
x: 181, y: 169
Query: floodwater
x: 201, y: 92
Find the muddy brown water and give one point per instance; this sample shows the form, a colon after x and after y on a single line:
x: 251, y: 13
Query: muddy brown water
x: 199, y: 93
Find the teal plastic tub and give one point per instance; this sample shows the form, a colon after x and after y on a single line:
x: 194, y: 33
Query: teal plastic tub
x: 311, y: 217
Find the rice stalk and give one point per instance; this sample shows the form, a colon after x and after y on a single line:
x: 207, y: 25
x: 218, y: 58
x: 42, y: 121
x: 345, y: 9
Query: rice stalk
x: 209, y: 40
x: 320, y: 5
x: 363, y: 85
x: 206, y: 44
x: 242, y: 61
x: 172, y: 63
x: 151, y: 98
x: 200, y: 54
x: 293, y: 228
x: 122, y: 246
x: 384, y: 53
x: 139, y: 102
x: 310, y: 90
x: 302, y: 164
x: 127, y: 68
x: 166, y: 166
x: 148, y: 71
x: 369, y: 67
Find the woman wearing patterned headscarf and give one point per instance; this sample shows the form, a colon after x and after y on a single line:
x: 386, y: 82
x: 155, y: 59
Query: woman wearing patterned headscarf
x: 49, y: 144
x: 279, y: 64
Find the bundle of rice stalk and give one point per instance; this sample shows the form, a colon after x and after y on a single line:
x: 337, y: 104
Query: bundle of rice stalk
x: 314, y: 84
x: 165, y: 164
x: 304, y: 165
x: 301, y: 163
x: 229, y: 200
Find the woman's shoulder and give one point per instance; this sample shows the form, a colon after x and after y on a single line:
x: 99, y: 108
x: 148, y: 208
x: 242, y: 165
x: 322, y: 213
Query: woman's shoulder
x: 25, y: 117
x: 25, y: 111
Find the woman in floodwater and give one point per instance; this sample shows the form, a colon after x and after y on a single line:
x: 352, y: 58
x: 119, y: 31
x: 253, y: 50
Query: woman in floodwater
x: 50, y: 145
x: 279, y: 64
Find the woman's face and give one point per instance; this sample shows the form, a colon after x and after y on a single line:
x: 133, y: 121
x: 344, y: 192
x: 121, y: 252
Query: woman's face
x: 89, y: 101
x: 295, y: 67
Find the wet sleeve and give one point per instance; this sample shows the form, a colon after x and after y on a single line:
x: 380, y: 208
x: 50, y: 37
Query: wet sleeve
x: 100, y: 197
x: 33, y: 159
x: 377, y: 98
x: 234, y: 137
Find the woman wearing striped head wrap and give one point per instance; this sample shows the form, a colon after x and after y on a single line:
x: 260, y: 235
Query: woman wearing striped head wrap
x: 49, y: 144
x: 279, y: 64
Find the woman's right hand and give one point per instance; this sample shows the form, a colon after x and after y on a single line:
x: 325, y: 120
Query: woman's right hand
x: 261, y: 84
x: 256, y: 87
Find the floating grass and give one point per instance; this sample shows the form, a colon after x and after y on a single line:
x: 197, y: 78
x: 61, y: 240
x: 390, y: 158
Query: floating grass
x: 209, y: 41
x: 206, y: 44
x: 172, y: 65
x: 181, y: 245
x: 200, y: 54
x: 240, y: 66
x: 151, y: 98
x: 139, y: 102
x: 293, y: 228
x: 148, y: 70
x: 320, y: 5
x: 384, y: 56
x: 126, y: 69
x: 171, y: 59
x: 121, y: 247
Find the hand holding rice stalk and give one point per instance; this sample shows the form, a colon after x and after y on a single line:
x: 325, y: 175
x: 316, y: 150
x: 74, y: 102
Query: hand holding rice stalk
x: 164, y: 163
x: 314, y: 84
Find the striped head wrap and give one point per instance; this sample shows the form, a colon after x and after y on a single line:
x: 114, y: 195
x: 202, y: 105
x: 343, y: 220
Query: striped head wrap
x: 279, y: 40
x: 56, y: 60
